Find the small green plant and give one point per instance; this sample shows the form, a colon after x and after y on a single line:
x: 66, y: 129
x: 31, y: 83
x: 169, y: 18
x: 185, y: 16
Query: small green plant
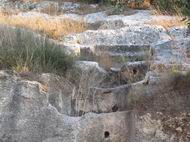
x: 22, y: 51
x: 119, y: 7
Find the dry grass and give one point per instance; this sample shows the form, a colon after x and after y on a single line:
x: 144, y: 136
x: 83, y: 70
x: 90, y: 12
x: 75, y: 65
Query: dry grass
x: 168, y: 23
x: 22, y: 51
x: 55, y: 28
x: 105, y: 61
x: 158, y: 11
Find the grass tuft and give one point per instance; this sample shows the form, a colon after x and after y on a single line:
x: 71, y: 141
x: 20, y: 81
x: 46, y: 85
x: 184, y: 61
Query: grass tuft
x: 22, y: 51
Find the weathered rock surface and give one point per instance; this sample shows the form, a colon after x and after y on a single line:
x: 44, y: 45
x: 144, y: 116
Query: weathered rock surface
x: 136, y: 35
x: 121, y: 89
x: 26, y: 114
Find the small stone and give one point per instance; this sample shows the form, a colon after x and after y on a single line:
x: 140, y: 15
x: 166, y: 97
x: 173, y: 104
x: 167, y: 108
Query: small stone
x: 179, y: 129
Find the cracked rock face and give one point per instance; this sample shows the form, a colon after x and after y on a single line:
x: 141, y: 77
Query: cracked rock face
x: 26, y: 114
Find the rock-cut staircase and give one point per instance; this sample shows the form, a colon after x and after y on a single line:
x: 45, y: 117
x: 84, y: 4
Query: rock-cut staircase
x: 115, y: 67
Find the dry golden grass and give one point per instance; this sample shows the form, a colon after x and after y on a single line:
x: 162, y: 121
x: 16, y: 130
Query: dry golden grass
x: 53, y: 27
x: 168, y: 23
x: 105, y: 61
x: 157, y: 11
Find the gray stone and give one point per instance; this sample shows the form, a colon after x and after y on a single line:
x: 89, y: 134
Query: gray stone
x: 171, y: 54
x: 112, y: 24
x: 60, y: 92
x: 89, y: 65
x: 134, y: 72
x: 95, y: 17
x: 70, y: 6
x: 136, y: 35
x: 178, y: 32
x: 46, y: 5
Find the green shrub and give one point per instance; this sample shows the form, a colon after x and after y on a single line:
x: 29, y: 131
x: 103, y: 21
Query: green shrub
x: 22, y: 51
